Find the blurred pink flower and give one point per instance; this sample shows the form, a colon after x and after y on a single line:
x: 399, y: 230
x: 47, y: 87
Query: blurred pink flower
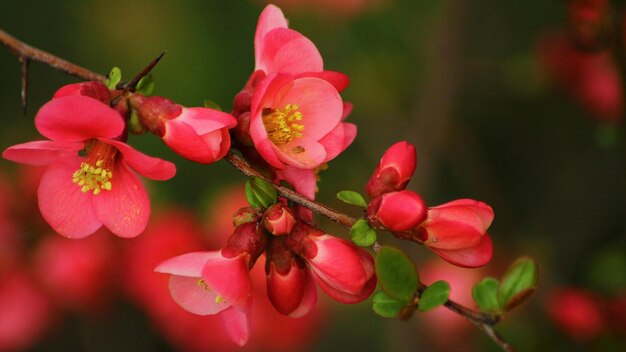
x: 577, y: 312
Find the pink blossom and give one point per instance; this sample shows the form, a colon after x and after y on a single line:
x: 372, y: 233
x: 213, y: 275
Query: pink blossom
x: 394, y: 170
x: 397, y: 211
x: 296, y: 122
x: 343, y: 270
x: 79, y: 194
x: 207, y: 283
x: 198, y: 134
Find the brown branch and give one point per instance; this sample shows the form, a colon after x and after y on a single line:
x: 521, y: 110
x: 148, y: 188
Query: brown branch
x: 26, y: 52
x: 131, y: 85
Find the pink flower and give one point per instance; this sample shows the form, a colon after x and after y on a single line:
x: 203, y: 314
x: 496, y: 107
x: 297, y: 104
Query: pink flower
x: 78, y: 194
x: 343, y: 270
x: 198, y: 134
x: 297, y: 122
x: 397, y: 211
x: 394, y: 170
x: 207, y: 283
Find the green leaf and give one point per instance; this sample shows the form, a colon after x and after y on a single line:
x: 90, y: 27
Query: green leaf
x: 485, y: 294
x: 353, y: 198
x: 386, y: 306
x: 145, y: 85
x: 396, y: 273
x: 259, y: 193
x: 114, y: 77
x: 434, y: 296
x: 362, y: 234
x: 212, y: 105
x: 519, y: 281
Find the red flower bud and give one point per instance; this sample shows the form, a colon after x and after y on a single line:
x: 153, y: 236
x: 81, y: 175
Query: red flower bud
x: 290, y: 286
x: 279, y: 219
x: 244, y: 215
x: 343, y: 270
x: 397, y: 211
x: 456, y: 225
x: 247, y: 238
x: 198, y: 134
x: 394, y: 171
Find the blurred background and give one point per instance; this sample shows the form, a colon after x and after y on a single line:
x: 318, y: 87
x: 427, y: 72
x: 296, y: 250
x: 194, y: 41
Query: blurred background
x: 518, y: 104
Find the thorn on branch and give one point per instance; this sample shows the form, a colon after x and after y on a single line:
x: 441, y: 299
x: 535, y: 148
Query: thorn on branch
x: 131, y: 85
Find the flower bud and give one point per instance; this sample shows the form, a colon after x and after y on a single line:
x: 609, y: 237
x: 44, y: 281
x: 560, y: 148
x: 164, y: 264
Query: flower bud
x: 94, y: 90
x: 397, y: 211
x: 247, y: 238
x: 394, y: 171
x: 198, y: 134
x: 279, y: 219
x: 576, y: 312
x: 245, y: 215
x: 456, y: 225
x: 343, y: 270
x: 290, y: 286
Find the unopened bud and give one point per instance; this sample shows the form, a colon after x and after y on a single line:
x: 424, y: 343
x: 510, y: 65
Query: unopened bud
x: 397, y: 211
x: 394, y: 171
x: 279, y: 219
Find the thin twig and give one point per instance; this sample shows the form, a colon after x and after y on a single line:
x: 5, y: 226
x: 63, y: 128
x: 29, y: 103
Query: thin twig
x: 26, y: 52
x: 131, y: 85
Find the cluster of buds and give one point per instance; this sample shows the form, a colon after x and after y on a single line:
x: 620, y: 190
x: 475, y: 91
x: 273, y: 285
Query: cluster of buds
x: 456, y: 231
x: 298, y: 256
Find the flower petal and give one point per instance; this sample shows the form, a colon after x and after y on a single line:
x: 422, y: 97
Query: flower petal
x: 230, y: 279
x: 62, y: 204
x: 204, y: 120
x: 125, y: 209
x: 309, y: 298
x: 338, y: 139
x: 303, y: 153
x: 271, y: 18
x: 189, y: 264
x: 191, y: 294
x: 471, y: 257
x: 42, y: 152
x: 150, y: 167
x: 318, y: 101
x: 237, y: 325
x: 78, y: 118
x: 285, y: 50
x: 302, y: 180
x: 339, y: 80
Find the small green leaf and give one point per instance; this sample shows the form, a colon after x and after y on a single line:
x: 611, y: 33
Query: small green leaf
x: 114, y: 77
x: 434, y: 296
x: 352, y: 198
x: 212, y: 105
x: 385, y: 306
x: 362, y: 234
x: 259, y: 193
x: 145, y: 85
x: 396, y: 273
x: 485, y: 294
x: 519, y: 281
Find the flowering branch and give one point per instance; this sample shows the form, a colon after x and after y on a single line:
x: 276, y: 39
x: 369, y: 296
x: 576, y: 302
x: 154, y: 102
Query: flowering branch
x: 27, y: 53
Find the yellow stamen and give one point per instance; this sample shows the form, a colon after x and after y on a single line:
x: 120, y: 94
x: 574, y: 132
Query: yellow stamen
x: 219, y: 299
x: 203, y: 283
x: 90, y: 178
x: 282, y: 126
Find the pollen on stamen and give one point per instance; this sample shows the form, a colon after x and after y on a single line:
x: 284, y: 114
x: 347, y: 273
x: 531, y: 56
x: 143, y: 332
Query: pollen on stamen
x: 219, y: 299
x: 93, y: 178
x: 281, y: 124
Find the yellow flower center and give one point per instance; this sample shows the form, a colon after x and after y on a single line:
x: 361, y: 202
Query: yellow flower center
x: 218, y: 298
x: 282, y: 126
x: 93, y: 178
